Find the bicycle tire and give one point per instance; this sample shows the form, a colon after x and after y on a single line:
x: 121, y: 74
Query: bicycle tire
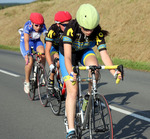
x: 101, y: 118
x: 33, y: 85
x: 55, y: 97
x: 42, y: 85
x: 78, y: 122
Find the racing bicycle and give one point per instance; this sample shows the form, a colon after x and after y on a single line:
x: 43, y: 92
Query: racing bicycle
x: 96, y: 118
x: 38, y: 79
x: 56, y: 96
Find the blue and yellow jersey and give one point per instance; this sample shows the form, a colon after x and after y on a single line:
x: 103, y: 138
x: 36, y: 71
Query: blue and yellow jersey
x: 54, y: 34
x: 74, y: 36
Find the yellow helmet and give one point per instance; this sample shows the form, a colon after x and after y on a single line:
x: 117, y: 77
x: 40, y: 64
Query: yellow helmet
x: 87, y: 16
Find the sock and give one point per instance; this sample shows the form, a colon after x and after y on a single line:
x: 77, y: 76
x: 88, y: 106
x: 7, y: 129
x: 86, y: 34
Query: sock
x: 72, y: 129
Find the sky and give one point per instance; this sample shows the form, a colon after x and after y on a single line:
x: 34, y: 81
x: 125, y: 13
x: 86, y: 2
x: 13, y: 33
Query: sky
x: 16, y: 1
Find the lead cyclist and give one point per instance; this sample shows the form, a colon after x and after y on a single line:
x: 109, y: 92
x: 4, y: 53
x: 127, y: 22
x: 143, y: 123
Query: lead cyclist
x: 80, y: 36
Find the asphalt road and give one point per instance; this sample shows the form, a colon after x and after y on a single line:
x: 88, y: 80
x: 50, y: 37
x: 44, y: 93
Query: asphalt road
x: 21, y: 118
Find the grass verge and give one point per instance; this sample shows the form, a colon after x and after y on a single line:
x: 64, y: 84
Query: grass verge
x: 141, y: 66
x: 10, y: 48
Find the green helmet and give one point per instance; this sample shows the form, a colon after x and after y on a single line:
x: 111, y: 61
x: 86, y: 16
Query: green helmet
x: 87, y: 16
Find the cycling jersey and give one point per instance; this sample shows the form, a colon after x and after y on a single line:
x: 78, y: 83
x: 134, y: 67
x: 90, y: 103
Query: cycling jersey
x: 33, y: 35
x: 74, y: 36
x: 54, y: 34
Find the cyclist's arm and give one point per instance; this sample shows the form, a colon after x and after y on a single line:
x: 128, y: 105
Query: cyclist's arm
x: 47, y: 52
x: 68, y: 57
x: 26, y: 41
x: 106, y: 60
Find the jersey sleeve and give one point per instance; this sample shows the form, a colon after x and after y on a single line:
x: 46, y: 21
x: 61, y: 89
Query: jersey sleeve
x: 51, y: 34
x: 26, y: 29
x: 68, y: 34
x: 100, y: 41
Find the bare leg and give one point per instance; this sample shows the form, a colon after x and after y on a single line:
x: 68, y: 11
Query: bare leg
x: 28, y: 69
x: 71, y: 103
x: 56, y: 55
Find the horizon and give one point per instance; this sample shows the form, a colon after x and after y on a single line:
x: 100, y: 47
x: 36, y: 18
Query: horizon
x: 15, y: 1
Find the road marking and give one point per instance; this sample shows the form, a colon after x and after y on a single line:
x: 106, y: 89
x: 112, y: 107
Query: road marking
x: 130, y: 113
x: 9, y: 73
x: 111, y: 107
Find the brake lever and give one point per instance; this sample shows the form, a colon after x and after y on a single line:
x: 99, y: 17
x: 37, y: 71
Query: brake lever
x: 120, y: 68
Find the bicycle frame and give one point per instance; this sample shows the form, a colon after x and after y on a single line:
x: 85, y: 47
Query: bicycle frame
x: 35, y: 79
x: 92, y: 97
x: 84, y: 118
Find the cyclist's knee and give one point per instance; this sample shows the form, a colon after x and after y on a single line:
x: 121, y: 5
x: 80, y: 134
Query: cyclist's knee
x: 72, y: 94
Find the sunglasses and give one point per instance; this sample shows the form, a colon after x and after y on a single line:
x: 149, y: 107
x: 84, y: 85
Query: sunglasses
x: 64, y: 25
x: 38, y: 25
x: 87, y: 29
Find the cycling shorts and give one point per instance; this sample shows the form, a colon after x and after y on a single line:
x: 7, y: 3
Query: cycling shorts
x: 34, y: 43
x: 80, y: 56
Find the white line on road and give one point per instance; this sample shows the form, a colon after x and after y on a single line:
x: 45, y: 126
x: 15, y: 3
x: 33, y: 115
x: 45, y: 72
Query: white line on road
x: 130, y: 113
x: 9, y: 73
x: 111, y: 107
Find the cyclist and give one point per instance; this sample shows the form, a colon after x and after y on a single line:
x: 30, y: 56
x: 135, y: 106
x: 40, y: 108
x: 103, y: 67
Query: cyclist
x: 80, y: 35
x: 30, y: 36
x: 52, y: 39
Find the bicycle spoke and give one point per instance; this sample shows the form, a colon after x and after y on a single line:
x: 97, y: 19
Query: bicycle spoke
x: 42, y: 85
x: 33, y: 86
x: 103, y: 120
x: 55, y: 101
x: 55, y: 95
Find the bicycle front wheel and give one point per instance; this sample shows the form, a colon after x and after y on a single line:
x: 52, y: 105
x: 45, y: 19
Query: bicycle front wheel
x: 102, y: 120
x: 42, y: 85
x: 33, y: 85
x: 55, y: 96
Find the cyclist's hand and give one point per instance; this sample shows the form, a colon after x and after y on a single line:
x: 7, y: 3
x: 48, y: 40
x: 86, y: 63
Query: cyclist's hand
x: 51, y: 67
x: 117, y: 76
x: 73, y: 78
x: 27, y: 59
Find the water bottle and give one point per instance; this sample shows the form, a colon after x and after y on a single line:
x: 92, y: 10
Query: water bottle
x: 85, y: 102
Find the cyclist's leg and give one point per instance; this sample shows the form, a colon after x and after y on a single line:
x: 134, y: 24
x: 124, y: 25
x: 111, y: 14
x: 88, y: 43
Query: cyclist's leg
x: 89, y: 58
x: 71, y: 94
x: 28, y: 67
x: 39, y: 47
x: 54, y: 54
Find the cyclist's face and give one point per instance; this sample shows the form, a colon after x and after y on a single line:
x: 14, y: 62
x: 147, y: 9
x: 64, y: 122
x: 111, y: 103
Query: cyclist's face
x: 87, y: 32
x: 37, y: 27
x: 63, y: 25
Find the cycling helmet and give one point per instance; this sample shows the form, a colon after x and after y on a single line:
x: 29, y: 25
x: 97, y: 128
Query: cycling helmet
x: 87, y: 16
x: 62, y: 16
x: 37, y: 18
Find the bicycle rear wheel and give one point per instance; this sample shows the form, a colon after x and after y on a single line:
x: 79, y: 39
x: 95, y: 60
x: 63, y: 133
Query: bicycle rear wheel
x: 33, y: 85
x: 55, y: 96
x: 42, y: 85
x: 102, y: 120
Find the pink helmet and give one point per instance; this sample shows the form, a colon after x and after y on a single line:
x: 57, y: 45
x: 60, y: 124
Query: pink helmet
x: 62, y: 16
x: 37, y: 18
